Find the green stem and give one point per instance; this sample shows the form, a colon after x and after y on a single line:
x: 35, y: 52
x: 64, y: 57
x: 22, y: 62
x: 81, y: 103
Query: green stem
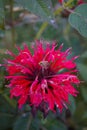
x: 12, y: 22
x: 43, y: 27
x: 29, y: 122
x: 57, y: 12
x: 60, y: 9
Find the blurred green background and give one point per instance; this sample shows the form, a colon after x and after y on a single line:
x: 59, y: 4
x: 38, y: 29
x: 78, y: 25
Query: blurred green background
x: 19, y: 25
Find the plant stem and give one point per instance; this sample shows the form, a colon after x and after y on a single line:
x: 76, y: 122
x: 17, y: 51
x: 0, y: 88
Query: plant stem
x: 29, y: 122
x: 43, y: 27
x: 56, y: 12
x: 12, y: 22
x: 60, y: 9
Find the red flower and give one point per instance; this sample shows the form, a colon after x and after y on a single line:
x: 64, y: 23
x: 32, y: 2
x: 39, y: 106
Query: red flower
x: 60, y: 1
x: 44, y: 79
x: 78, y: 1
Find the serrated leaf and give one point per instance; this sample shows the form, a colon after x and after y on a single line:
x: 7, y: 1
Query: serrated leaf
x: 83, y: 70
x: 78, y: 19
x: 38, y: 7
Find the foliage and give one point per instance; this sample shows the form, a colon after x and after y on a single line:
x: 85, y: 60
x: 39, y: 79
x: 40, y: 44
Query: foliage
x: 78, y: 19
x: 27, y: 20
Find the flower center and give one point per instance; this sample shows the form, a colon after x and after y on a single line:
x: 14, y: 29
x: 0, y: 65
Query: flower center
x: 42, y: 72
x: 44, y: 64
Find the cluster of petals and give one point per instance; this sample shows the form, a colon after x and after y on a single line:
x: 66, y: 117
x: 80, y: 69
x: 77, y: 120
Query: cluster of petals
x: 44, y: 75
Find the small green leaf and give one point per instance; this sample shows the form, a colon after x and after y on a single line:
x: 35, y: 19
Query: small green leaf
x: 78, y: 19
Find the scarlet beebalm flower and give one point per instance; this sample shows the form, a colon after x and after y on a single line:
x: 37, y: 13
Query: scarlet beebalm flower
x: 81, y: 2
x: 61, y: 1
x: 44, y: 79
x: 78, y: 1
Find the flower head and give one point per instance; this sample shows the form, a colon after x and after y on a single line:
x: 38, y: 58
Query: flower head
x: 78, y: 1
x: 81, y: 2
x: 44, y: 79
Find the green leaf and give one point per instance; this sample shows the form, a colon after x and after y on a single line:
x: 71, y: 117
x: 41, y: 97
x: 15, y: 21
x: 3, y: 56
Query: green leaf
x: 39, y: 7
x: 78, y: 19
x: 83, y: 70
